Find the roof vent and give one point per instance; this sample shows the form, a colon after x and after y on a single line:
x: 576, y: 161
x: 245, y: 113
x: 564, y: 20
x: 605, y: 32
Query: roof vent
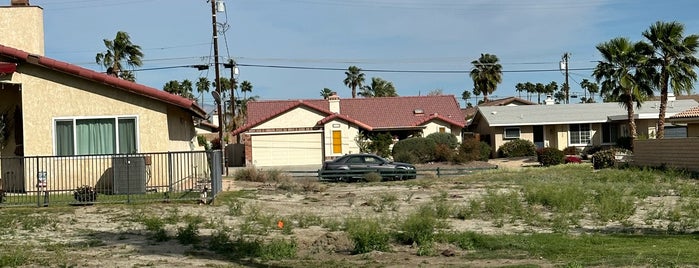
x: 418, y: 111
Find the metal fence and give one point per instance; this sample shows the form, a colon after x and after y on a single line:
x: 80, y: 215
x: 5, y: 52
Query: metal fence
x: 401, y: 174
x: 90, y: 179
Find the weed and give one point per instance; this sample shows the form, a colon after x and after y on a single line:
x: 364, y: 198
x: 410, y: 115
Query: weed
x: 372, y: 177
x: 419, y: 228
x: 367, y: 234
x: 188, y: 235
x: 305, y: 220
x: 612, y: 204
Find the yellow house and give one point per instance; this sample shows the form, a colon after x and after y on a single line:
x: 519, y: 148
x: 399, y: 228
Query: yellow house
x: 577, y: 125
x: 307, y: 132
x: 53, y: 108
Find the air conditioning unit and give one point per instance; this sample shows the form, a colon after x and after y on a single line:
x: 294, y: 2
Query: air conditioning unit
x: 129, y: 174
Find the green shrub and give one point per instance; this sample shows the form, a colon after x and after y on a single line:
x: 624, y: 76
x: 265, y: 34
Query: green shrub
x: 587, y: 153
x: 421, y: 148
x: 380, y: 144
x: 517, y: 148
x: 485, y: 151
x: 606, y: 159
x: 444, y: 138
x: 551, y: 157
x: 419, y: 228
x: 188, y: 235
x: 473, y: 150
x: 571, y: 150
x: 367, y: 235
x: 442, y: 153
x: 405, y: 157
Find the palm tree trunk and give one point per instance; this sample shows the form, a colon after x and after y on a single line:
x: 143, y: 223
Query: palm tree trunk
x: 660, y: 134
x: 632, y: 120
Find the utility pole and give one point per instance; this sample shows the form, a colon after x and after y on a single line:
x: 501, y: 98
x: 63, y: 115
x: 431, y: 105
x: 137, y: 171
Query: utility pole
x: 564, y: 65
x: 221, y: 127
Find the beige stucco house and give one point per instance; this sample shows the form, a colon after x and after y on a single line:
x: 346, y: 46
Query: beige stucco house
x: 307, y: 132
x: 54, y: 108
x: 578, y: 125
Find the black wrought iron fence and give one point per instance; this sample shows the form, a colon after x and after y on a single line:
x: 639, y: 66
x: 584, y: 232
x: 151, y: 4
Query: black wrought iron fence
x: 89, y: 179
x: 390, y: 174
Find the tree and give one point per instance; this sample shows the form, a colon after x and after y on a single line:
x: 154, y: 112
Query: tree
x: 203, y: 85
x: 589, y: 87
x: 486, y: 75
x: 186, y: 88
x: 466, y: 96
x: 354, y: 79
x: 539, y: 88
x: 674, y: 55
x: 378, y: 88
x: 435, y: 92
x: 624, y: 74
x: 245, y: 87
x: 520, y: 88
x: 172, y: 87
x: 120, y: 50
x: 550, y: 88
x: 326, y: 93
x: 183, y: 88
x: 530, y: 88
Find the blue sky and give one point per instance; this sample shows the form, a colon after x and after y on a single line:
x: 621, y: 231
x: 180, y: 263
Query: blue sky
x: 529, y: 37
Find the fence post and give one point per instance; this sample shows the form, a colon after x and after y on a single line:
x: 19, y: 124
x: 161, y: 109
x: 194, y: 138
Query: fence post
x: 216, y: 174
x: 438, y: 173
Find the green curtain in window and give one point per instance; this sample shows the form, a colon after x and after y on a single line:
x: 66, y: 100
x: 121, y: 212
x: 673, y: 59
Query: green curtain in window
x: 64, y: 138
x: 127, y: 136
x: 95, y: 136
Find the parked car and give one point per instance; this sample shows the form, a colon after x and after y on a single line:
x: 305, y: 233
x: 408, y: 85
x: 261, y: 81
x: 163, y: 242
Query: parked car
x: 353, y: 167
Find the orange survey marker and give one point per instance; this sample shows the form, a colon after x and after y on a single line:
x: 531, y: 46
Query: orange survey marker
x: 280, y: 224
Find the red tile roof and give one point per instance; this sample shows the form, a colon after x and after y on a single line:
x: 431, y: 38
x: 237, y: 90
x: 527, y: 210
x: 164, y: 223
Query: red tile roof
x: 690, y: 113
x: 23, y: 57
x: 367, y: 113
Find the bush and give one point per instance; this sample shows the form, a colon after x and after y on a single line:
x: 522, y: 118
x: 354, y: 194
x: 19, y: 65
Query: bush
x: 571, y: 150
x: 473, y: 150
x: 517, y: 148
x: 573, y: 159
x: 590, y: 151
x: 421, y: 148
x: 85, y: 193
x: 606, y: 158
x: 405, y: 157
x: 444, y: 138
x: 380, y: 144
x: 550, y: 157
x: 367, y: 235
x: 442, y: 153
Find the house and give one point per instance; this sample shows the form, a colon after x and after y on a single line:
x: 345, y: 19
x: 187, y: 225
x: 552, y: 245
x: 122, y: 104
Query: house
x: 54, y: 108
x: 578, y: 125
x: 307, y: 132
x: 469, y: 112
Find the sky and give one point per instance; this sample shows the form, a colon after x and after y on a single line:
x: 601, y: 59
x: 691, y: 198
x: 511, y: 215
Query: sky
x: 292, y: 49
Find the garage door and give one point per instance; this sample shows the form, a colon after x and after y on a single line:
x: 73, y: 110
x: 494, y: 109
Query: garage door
x: 287, y: 149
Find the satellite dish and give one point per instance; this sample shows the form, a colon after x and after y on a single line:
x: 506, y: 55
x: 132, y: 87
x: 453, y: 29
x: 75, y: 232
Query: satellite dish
x: 217, y: 97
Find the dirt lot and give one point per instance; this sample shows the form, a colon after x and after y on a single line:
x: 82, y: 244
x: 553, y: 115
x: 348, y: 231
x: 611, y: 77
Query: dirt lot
x: 116, y: 236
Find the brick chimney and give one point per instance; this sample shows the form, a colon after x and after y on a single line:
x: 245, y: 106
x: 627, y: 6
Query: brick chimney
x: 334, y: 102
x: 22, y: 27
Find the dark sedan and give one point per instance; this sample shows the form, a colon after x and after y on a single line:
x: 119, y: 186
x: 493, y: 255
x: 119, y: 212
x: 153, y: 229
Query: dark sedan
x: 353, y: 167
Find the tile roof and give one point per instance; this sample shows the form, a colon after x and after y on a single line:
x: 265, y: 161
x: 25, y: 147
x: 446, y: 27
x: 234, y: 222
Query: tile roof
x: 368, y: 113
x: 23, y: 57
x: 574, y: 113
x: 689, y: 113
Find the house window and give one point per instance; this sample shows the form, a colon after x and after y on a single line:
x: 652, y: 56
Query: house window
x: 512, y: 133
x: 579, y: 134
x: 442, y: 129
x: 337, y: 142
x: 610, y: 132
x: 95, y: 136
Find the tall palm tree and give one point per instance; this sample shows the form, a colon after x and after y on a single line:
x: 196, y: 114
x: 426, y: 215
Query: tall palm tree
x: 520, y: 88
x: 120, y: 50
x: 486, y: 74
x: 550, y: 88
x: 354, y: 79
x: 539, y: 88
x: 173, y: 87
x: 530, y: 88
x: 203, y: 85
x: 674, y: 55
x: 378, y: 88
x: 186, y: 89
x: 466, y: 95
x: 245, y: 87
x: 589, y: 87
x: 326, y: 93
x: 624, y: 74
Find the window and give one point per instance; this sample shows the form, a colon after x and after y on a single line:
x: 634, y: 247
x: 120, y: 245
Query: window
x: 579, y: 134
x: 610, y: 132
x: 95, y: 136
x: 512, y: 133
x: 337, y: 142
x: 442, y: 129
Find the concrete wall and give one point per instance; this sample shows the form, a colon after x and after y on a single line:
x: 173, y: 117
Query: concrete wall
x: 676, y: 153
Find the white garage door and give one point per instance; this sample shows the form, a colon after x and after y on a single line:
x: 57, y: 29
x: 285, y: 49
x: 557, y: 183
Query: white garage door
x: 287, y: 149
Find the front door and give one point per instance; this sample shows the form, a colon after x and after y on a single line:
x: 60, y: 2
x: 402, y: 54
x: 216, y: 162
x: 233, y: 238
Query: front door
x: 539, y: 136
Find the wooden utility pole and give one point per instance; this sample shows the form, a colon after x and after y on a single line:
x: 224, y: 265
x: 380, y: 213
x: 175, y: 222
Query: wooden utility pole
x: 566, y: 57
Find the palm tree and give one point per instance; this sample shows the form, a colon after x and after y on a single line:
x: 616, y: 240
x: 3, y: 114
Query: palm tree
x: 539, y: 88
x: 245, y: 87
x: 520, y: 88
x: 550, y: 88
x: 354, y: 80
x: 118, y: 50
x: 466, y: 96
x: 378, y: 88
x: 530, y: 88
x: 173, y: 87
x: 326, y: 93
x: 203, y: 86
x: 624, y: 74
x: 186, y: 89
x: 589, y: 87
x: 486, y: 74
x: 674, y: 55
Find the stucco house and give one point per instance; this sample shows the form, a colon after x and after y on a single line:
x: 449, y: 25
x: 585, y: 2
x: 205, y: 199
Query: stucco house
x: 57, y: 109
x: 564, y: 125
x: 307, y: 132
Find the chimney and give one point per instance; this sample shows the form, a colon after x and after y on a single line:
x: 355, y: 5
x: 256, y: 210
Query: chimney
x: 22, y: 27
x: 334, y: 103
